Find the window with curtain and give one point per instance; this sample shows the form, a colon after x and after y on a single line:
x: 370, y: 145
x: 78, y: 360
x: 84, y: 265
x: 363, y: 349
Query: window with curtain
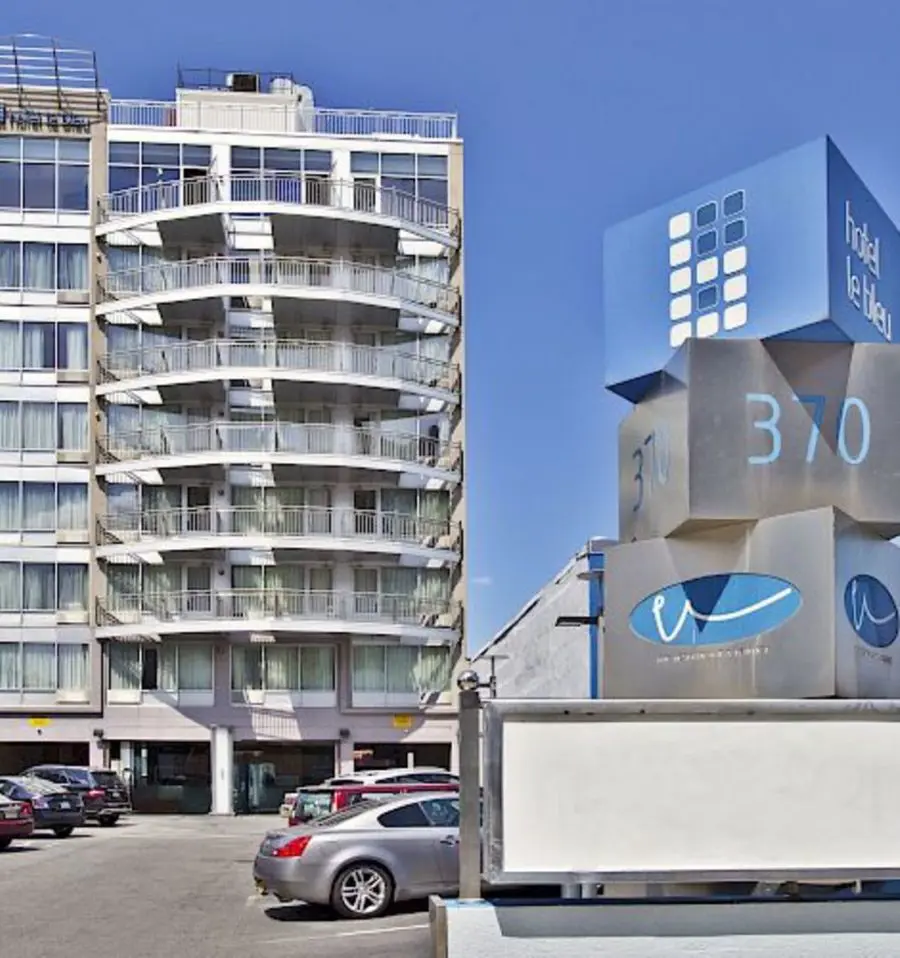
x: 73, y: 426
x: 10, y: 666
x: 43, y: 346
x: 10, y: 345
x: 124, y: 666
x: 39, y: 587
x: 44, y: 267
x: 368, y: 668
x: 43, y: 506
x: 317, y: 668
x: 10, y: 587
x: 283, y: 668
x: 10, y: 265
x: 73, y: 668
x: 10, y: 520
x: 10, y: 426
x: 195, y: 668
x: 400, y: 669
x: 38, y: 667
x: 43, y: 587
x: 72, y: 506
x: 39, y: 426
x: 39, y: 266
x: 246, y: 668
x: 72, y: 591
x: 39, y: 507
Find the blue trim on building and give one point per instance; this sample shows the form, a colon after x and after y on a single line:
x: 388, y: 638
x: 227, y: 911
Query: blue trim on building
x: 596, y: 563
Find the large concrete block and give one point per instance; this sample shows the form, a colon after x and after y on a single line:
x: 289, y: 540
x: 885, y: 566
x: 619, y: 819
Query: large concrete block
x: 793, y: 247
x: 743, y: 430
x: 798, y: 606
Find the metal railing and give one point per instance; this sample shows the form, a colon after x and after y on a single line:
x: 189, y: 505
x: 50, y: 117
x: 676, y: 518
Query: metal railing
x: 133, y: 608
x: 274, y: 437
x: 216, y: 115
x: 295, y: 272
x: 288, y: 521
x: 294, y: 355
x: 292, y: 189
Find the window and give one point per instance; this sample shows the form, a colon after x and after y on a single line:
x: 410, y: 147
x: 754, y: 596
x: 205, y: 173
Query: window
x: 44, y: 667
x: 146, y: 164
x: 402, y: 175
x: 43, y: 267
x: 400, y: 669
x: 43, y: 427
x: 43, y: 173
x: 167, y: 667
x: 43, y: 587
x: 43, y: 506
x: 282, y: 175
x: 282, y: 668
x: 406, y: 816
x: 442, y: 812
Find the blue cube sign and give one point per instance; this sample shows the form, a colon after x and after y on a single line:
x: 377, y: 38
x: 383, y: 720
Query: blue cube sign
x: 794, y: 248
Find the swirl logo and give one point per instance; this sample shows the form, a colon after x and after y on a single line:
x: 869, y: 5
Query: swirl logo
x: 715, y: 609
x: 871, y: 610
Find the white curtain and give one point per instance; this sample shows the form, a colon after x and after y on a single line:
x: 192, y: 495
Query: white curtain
x: 72, y: 342
x: 38, y: 346
x: 39, y: 587
x: 73, y: 266
x: 73, y: 426
x: 401, y: 668
x: 432, y: 671
x: 73, y: 505
x: 195, y: 668
x: 282, y: 671
x: 9, y: 507
x: 10, y: 587
x: 167, y: 666
x: 368, y: 668
x: 39, y: 426
x: 10, y: 431
x: 38, y: 667
x: 73, y: 587
x: 10, y: 266
x: 246, y: 668
x: 124, y: 666
x: 10, y: 346
x: 38, y: 507
x: 39, y: 267
x: 73, y: 665
x: 317, y: 668
x: 10, y: 680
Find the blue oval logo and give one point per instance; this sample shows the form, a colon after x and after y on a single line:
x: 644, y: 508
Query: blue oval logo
x: 715, y: 609
x: 872, y: 612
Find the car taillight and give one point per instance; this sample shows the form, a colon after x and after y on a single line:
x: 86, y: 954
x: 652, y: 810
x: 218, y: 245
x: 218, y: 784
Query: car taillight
x: 292, y: 849
x: 25, y: 810
x: 96, y: 793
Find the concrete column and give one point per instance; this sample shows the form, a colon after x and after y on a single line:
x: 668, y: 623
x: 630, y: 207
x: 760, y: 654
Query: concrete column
x: 97, y: 754
x: 222, y: 763
x: 343, y: 761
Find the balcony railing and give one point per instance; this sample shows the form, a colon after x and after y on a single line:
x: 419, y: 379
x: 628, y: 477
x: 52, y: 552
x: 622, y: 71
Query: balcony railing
x: 284, y: 521
x: 134, y: 608
x: 271, y: 117
x: 294, y: 355
x: 291, y: 189
x: 274, y: 437
x: 285, y: 272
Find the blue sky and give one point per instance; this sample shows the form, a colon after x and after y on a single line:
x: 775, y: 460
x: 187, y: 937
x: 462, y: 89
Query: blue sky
x: 576, y: 115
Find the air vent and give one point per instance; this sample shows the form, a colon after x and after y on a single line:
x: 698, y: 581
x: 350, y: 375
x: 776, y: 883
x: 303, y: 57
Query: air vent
x: 244, y: 82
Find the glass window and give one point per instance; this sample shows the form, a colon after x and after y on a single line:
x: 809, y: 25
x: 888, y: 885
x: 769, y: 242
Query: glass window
x: 10, y: 345
x: 406, y: 816
x: 10, y: 266
x: 123, y: 178
x: 432, y: 165
x: 72, y: 591
x: 317, y: 161
x: 433, y: 190
x: 72, y: 260
x: 199, y: 157
x: 38, y: 667
x: 76, y: 151
x: 10, y: 147
x: 73, y: 668
x: 317, y: 672
x: 39, y: 266
x: 38, y: 346
x: 38, y: 426
x: 39, y: 148
x: 442, y: 812
x: 363, y: 162
x: 246, y: 668
x: 128, y: 154
x: 39, y: 587
x: 246, y: 158
x: 10, y: 520
x: 284, y: 160
x: 38, y: 186
x: 38, y: 507
x: 195, y: 668
x: 398, y: 164
x: 10, y: 185
x: 10, y: 587
x: 73, y: 187
x: 72, y: 346
x: 160, y: 154
x: 10, y: 426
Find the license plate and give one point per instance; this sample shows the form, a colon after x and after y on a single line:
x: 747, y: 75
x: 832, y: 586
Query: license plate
x: 64, y: 805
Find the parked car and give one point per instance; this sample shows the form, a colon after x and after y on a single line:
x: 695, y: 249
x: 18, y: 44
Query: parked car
x: 311, y: 804
x: 16, y: 820
x: 361, y: 860
x: 421, y: 774
x: 55, y: 808
x: 104, y: 794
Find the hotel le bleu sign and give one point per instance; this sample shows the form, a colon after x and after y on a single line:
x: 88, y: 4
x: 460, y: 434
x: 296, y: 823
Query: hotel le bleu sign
x: 20, y: 119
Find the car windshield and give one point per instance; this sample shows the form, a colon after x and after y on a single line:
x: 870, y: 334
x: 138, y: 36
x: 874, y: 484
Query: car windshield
x: 310, y: 805
x: 80, y: 775
x: 345, y: 814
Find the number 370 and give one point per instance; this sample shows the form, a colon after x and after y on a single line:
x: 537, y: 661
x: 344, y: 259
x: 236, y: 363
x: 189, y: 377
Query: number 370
x: 851, y: 406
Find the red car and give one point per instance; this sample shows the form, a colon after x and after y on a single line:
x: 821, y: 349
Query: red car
x: 321, y: 800
x: 16, y: 820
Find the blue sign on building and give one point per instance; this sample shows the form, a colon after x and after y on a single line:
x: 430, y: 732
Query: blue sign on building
x: 794, y: 248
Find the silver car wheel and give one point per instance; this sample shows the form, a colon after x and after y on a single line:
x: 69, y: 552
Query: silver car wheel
x: 363, y: 891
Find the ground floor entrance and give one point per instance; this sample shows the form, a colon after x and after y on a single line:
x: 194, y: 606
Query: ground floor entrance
x: 264, y: 771
x: 173, y: 777
x: 15, y: 757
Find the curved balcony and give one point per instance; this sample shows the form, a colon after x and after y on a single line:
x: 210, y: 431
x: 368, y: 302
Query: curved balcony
x: 314, y: 450
x: 304, y: 210
x: 290, y: 528
x: 195, y: 289
x: 268, y: 610
x: 316, y: 369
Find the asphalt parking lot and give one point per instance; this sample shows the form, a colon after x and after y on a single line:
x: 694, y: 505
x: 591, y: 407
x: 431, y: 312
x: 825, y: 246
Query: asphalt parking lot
x: 170, y: 887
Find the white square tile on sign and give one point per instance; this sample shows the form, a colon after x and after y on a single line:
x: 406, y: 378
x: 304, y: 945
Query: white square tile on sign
x: 707, y: 269
x: 707, y: 325
x: 735, y: 260
x: 679, y: 333
x: 735, y: 287
x: 680, y: 253
x: 679, y: 225
x: 734, y: 316
x: 680, y: 307
x: 680, y: 279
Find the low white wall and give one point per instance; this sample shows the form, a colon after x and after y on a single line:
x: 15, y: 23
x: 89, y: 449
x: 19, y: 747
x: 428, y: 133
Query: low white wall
x: 835, y: 929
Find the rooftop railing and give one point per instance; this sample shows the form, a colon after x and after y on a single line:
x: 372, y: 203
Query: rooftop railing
x: 135, y: 608
x: 289, y: 189
x: 276, y: 437
x: 286, y: 355
x: 216, y: 115
x: 298, y: 522
x: 286, y: 272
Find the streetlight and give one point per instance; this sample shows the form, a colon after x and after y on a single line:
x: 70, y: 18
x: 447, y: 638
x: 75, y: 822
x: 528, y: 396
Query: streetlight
x: 470, y: 684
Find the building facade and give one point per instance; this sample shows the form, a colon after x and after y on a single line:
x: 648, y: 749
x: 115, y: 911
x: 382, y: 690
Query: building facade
x: 551, y: 649
x: 231, y: 431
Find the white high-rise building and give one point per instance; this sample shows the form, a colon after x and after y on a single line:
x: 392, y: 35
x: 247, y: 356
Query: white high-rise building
x: 231, y: 432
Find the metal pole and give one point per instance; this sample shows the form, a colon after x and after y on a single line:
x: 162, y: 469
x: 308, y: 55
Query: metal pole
x: 469, y: 794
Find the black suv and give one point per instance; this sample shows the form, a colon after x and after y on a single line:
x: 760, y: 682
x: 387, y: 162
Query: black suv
x: 104, y: 794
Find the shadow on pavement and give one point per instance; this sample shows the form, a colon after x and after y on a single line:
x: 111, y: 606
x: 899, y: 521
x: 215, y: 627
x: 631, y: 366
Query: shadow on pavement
x: 307, y: 913
x: 16, y: 849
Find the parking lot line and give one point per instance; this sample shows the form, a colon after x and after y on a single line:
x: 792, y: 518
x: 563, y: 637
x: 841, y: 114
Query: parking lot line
x: 347, y: 934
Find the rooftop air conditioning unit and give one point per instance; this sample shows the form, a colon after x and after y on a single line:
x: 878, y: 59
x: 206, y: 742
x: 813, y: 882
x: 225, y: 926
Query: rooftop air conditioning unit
x: 243, y: 82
